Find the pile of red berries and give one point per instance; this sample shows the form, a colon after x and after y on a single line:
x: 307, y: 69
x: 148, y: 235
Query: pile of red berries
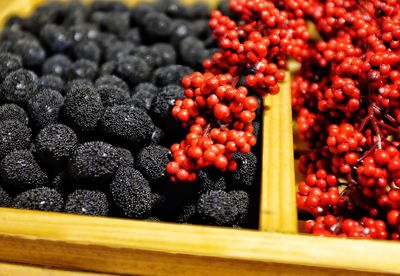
x: 346, y: 99
x: 216, y: 111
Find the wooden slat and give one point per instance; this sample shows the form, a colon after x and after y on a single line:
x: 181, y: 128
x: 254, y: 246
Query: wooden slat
x: 278, y: 210
x: 136, y: 247
x: 9, y: 269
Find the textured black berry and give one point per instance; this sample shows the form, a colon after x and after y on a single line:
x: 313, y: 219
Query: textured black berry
x: 162, y: 105
x: 138, y: 12
x: 112, y: 95
x: 133, y: 69
x: 30, y: 51
x: 246, y: 173
x: 20, y: 171
x: 192, y: 51
x: 157, y: 136
x: 82, y: 108
x: 13, y: 112
x: 85, y: 202
x: 181, y: 29
x: 114, y: 22
x: 111, y: 80
x: 150, y: 55
x: 42, y: 15
x: 243, y: 203
x: 125, y: 157
x: 45, y: 106
x: 133, y: 36
x: 54, y: 144
x: 166, y: 52
x: 171, y: 74
x: 131, y: 193
x: 5, y: 198
x: 52, y: 82
x: 87, y: 49
x: 43, y: 199
x: 157, y: 25
x: 14, y: 135
x: 217, y: 208
x: 93, y: 164
x: 18, y: 86
x: 143, y: 95
x: 59, y: 65
x: 83, y: 31
x: 56, y: 37
x: 211, y: 180
x: 127, y: 124
x: 119, y: 49
x: 83, y: 69
x: 108, y: 68
x: 8, y: 63
x: 151, y: 162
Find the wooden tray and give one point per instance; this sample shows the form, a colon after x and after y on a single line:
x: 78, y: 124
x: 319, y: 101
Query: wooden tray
x: 122, y: 246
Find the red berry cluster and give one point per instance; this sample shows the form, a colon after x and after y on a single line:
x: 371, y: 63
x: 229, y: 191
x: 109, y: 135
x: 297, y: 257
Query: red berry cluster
x: 346, y: 102
x: 216, y: 111
x: 329, y: 225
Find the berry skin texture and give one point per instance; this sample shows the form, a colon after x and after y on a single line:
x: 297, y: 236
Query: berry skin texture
x: 157, y: 25
x: 143, y: 95
x: 44, y: 107
x: 14, y: 135
x: 113, y: 81
x: 20, y: 172
x: 125, y: 157
x: 171, y: 74
x: 211, y: 180
x: 57, y: 38
x: 83, y: 69
x: 85, y: 202
x: 151, y: 162
x: 187, y: 214
x: 113, y: 95
x: 13, y: 112
x: 52, y: 82
x: 127, y: 124
x: 217, y: 208
x: 54, y: 144
x: 30, y: 51
x: 133, y: 69
x: 93, y: 164
x: 246, y: 172
x: 5, y: 199
x: 82, y: 108
x: 18, y: 86
x: 192, y: 51
x: 8, y: 63
x: 59, y: 65
x: 131, y: 193
x: 163, y: 103
x: 167, y: 53
x: 43, y: 199
x: 88, y: 50
x: 118, y: 50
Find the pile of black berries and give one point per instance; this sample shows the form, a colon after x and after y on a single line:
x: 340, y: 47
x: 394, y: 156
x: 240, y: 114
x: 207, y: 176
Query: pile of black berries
x: 85, y: 99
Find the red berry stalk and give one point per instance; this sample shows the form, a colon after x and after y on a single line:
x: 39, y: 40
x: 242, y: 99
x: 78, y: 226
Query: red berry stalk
x: 218, y: 113
x: 346, y: 100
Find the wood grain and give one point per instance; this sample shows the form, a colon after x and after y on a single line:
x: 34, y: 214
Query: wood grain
x: 9, y: 269
x: 136, y: 247
x: 278, y: 205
